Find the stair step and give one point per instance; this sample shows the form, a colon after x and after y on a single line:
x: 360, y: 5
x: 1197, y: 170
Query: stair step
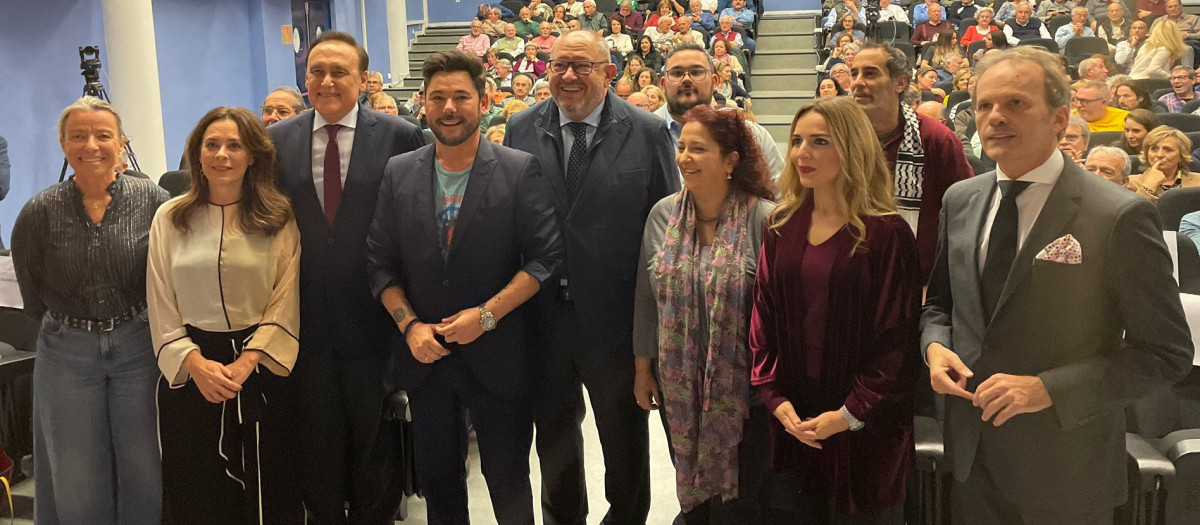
x: 772, y: 26
x: 784, y: 82
x: 783, y: 42
x: 457, y: 30
x: 432, y: 46
x: 793, y: 59
x: 768, y: 103
x: 437, y: 39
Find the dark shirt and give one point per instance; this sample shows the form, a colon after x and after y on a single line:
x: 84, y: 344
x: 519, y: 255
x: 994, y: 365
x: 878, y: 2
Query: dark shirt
x: 68, y: 264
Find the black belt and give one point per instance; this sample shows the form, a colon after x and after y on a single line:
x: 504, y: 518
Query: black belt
x: 97, y: 325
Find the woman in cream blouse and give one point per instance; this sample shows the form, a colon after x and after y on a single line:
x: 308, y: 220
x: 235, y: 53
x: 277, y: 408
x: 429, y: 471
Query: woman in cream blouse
x: 224, y: 307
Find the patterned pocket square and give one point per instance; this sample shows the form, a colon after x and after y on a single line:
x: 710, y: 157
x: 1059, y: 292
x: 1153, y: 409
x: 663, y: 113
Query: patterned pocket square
x: 1063, y: 250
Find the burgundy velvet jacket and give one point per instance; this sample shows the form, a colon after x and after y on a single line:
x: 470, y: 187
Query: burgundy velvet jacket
x: 874, y: 307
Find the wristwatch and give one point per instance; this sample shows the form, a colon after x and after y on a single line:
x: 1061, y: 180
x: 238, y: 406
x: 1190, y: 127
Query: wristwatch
x: 855, y: 423
x: 486, y: 319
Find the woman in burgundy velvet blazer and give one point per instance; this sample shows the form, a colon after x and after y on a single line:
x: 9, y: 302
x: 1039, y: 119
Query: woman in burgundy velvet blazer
x: 834, y: 327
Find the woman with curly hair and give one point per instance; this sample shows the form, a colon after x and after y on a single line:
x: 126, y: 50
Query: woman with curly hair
x: 694, y: 293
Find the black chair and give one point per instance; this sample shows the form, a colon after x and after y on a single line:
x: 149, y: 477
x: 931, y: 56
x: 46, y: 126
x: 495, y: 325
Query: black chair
x: 1156, y: 93
x: 973, y: 48
x: 1182, y: 449
x: 1176, y: 203
x: 946, y: 86
x: 1155, y: 84
x: 909, y: 50
x: 956, y: 97
x: 1159, y: 108
x: 931, y: 491
x: 1192, y: 106
x: 977, y: 165
x: 964, y: 24
x: 1185, y: 122
x: 1054, y: 23
x: 892, y: 31
x: 1081, y: 47
x: 1149, y: 475
x: 1193, y: 136
x: 175, y: 182
x: 606, y: 6
x: 929, y: 96
x: 1103, y: 138
x: 515, y: 5
x: 1135, y: 164
x: 543, y: 56
x: 1048, y: 43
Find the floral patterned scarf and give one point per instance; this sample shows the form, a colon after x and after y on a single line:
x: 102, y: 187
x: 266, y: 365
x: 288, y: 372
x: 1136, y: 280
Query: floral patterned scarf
x: 704, y: 367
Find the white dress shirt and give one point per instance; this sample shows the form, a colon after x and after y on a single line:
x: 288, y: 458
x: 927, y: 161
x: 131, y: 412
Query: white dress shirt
x: 1029, y: 202
x: 345, y: 138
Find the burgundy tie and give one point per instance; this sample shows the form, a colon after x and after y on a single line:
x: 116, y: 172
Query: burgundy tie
x: 333, y: 174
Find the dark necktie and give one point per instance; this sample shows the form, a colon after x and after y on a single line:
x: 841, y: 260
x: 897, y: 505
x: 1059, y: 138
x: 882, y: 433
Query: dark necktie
x: 578, y: 159
x: 1002, y: 244
x: 333, y: 173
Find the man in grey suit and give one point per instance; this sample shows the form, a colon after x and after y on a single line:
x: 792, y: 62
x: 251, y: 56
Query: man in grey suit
x: 608, y: 163
x: 1051, y: 306
x: 349, y: 453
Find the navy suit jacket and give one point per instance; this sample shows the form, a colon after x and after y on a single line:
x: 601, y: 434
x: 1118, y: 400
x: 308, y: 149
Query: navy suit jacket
x: 631, y: 165
x: 506, y: 224
x: 337, y: 311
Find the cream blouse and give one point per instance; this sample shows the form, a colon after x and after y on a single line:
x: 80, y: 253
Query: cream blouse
x: 218, y: 279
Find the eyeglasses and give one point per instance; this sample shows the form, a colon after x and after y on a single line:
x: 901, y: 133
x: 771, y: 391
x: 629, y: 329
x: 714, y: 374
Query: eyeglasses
x: 1084, y: 101
x: 1072, y: 138
x: 1181, y: 78
x: 559, y: 67
x: 283, y: 111
x: 696, y: 73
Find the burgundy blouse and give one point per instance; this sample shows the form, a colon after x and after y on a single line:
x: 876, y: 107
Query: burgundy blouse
x: 871, y: 366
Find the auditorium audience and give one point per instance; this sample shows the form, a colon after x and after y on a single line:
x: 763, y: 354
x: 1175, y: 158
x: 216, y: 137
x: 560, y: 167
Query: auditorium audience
x: 475, y: 42
x: 79, y: 251
x: 495, y: 134
x: 1148, y: 8
x: 654, y: 97
x: 1024, y: 25
x: 829, y: 87
x: 1166, y: 156
x: 960, y: 10
x: 847, y: 28
x: 983, y: 26
x: 1110, y: 163
x: 527, y: 27
x: 648, y: 53
x: 888, y: 12
x: 522, y: 86
x: 701, y: 18
x: 573, y: 8
x: 1077, y: 27
x: 493, y: 26
x: 1092, y: 69
x: 928, y: 30
x: 1138, y: 123
x: 720, y: 54
x: 1114, y: 27
x: 837, y: 296
x: 841, y: 73
x: 541, y: 11
x: 1126, y: 50
x: 281, y: 104
x: 1091, y: 102
x: 510, y: 43
x: 645, y: 77
x: 726, y: 32
x: 546, y: 38
x: 1163, y: 47
x: 384, y: 103
x: 1131, y: 95
x: 224, y: 308
x: 627, y: 15
x: 1075, y: 139
x: 559, y: 21
x: 934, y: 110
x: 1188, y: 23
x: 1048, y: 9
x: 664, y: 10
x: 640, y: 100
x: 921, y: 11
x: 726, y: 85
x: 719, y: 218
x: 618, y: 41
x: 661, y: 33
x: 541, y: 90
x: 590, y: 19
x: 1183, y: 89
x: 529, y: 63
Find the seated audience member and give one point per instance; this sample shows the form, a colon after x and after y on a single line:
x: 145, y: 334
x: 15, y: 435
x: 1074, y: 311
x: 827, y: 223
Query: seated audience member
x: 1024, y: 25
x: 1115, y: 26
x: 1163, y: 47
x: 888, y: 12
x: 281, y: 104
x: 1093, y: 69
x: 542, y: 11
x: 837, y: 300
x: 912, y: 97
x: 573, y: 7
x: 633, y: 65
x: 522, y: 85
x: 483, y: 13
x: 1075, y: 139
x: 835, y: 56
x: 962, y: 78
x: 1091, y: 103
x: 1127, y: 50
x: 828, y: 87
x: 1005, y: 12
x: 655, y: 95
x: 1138, y: 124
x: 573, y: 25
x: 526, y: 26
x: 493, y: 26
x: 945, y: 42
x: 951, y: 65
x: 837, y: 12
x: 1076, y: 28
x: 559, y: 21
x: 727, y: 86
x: 1052, y: 8
x: 933, y: 110
x: 475, y: 43
x: 496, y: 109
x: 927, y: 30
x: 983, y: 26
x: 685, y: 32
x: 664, y: 9
x: 925, y: 78
x: 630, y: 17
x: 383, y: 103
x: 541, y: 90
x: 512, y: 107
x: 510, y: 43
x: 1148, y: 8
x: 993, y: 41
x: 701, y: 18
x: 1131, y: 95
x: 1110, y: 163
x: 374, y: 84
x: 590, y: 19
x: 720, y: 54
x: 962, y: 119
x: 545, y: 39
x: 646, y: 50
x: 503, y: 74
x: 495, y: 134
x: 848, y: 22
x: 1189, y: 225
x: 727, y: 33
x: 646, y: 77
x: 623, y: 88
x: 616, y: 38
x: 1183, y: 89
x: 921, y: 11
x: 1166, y: 155
x: 961, y: 10
x: 841, y: 73
x: 742, y: 15
x: 491, y: 60
x: 640, y: 100
x: 530, y: 63
x: 1189, y: 24
x: 661, y: 33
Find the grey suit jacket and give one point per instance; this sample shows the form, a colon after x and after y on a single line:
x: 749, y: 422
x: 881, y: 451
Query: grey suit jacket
x: 1099, y: 334
x: 630, y: 167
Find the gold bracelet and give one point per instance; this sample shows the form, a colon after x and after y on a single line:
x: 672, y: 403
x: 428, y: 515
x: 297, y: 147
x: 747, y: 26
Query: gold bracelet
x: 1147, y: 190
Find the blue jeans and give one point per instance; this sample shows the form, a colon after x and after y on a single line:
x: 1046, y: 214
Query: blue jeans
x: 95, y: 430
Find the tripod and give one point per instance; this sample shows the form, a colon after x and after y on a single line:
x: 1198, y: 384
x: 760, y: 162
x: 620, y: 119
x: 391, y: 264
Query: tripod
x: 89, y: 64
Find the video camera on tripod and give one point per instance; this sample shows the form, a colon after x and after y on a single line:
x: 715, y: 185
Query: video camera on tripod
x: 89, y: 67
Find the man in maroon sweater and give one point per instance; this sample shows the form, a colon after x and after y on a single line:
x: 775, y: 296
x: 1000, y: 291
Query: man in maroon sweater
x: 925, y: 155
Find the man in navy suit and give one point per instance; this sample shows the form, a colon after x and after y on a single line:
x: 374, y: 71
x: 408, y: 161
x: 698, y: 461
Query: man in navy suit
x: 464, y: 235
x: 608, y: 163
x: 331, y: 162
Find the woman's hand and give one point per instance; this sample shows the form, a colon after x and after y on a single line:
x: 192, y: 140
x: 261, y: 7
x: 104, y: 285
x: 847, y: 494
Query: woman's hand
x: 645, y: 388
x: 824, y: 425
x: 786, y: 414
x: 214, y: 380
x: 244, y: 365
x: 1154, y: 178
